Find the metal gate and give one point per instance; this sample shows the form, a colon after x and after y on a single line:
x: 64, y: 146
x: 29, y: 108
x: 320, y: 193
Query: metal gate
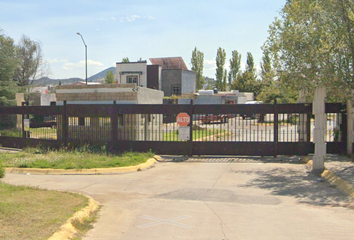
x: 254, y: 129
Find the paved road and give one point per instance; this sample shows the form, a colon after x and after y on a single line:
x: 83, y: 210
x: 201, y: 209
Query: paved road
x: 211, y: 198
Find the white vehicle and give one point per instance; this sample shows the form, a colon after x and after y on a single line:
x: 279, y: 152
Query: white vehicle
x: 251, y: 115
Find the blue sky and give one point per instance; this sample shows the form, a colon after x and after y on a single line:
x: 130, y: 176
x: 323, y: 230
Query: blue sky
x: 138, y: 29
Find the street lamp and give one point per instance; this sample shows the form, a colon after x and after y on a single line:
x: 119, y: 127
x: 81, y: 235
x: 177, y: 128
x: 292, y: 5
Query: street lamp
x: 85, y: 54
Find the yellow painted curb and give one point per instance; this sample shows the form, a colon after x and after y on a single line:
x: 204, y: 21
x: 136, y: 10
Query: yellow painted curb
x: 150, y: 162
x: 338, y: 182
x: 67, y: 230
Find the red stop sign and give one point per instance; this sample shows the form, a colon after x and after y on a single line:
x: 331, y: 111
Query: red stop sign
x: 183, y: 119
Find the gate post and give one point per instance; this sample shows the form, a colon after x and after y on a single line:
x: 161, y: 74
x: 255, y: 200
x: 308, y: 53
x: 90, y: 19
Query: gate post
x: 191, y: 111
x: 320, y: 128
x: 350, y: 126
x: 276, y: 130
x: 114, y: 125
x: 65, y: 125
x: 23, y: 126
x: 303, y: 119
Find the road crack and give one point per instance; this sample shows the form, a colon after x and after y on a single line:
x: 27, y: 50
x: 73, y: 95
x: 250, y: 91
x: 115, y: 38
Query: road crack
x: 222, y: 224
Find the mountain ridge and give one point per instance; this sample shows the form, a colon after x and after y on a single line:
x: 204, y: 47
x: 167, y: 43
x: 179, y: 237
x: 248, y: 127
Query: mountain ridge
x: 46, y: 81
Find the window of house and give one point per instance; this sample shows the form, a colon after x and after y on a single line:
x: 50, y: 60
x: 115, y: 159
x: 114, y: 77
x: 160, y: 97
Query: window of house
x: 176, y: 89
x: 132, y: 79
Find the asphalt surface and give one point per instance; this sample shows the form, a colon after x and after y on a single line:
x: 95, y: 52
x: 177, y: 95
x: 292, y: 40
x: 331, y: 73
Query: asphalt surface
x: 214, y: 198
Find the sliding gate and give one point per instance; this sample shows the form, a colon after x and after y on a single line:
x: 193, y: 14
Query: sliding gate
x: 254, y: 129
x: 241, y: 129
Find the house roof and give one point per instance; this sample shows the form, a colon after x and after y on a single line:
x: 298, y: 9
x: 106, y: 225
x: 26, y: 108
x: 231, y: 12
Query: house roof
x: 169, y: 63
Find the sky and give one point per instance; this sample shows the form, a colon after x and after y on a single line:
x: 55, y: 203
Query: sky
x: 138, y: 29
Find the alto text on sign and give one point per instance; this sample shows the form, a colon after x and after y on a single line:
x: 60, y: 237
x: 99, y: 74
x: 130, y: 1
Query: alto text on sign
x: 183, y: 119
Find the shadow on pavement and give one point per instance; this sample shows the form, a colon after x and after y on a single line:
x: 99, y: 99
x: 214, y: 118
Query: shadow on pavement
x: 292, y: 181
x: 308, y: 188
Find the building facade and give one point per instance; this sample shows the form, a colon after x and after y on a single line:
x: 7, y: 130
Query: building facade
x: 169, y: 75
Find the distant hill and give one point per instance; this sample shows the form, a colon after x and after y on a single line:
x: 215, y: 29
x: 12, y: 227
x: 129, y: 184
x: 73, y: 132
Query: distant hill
x: 101, y: 75
x: 45, y: 81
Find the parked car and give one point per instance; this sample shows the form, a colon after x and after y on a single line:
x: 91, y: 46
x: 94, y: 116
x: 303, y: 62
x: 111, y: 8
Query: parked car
x: 209, y: 118
x: 43, y: 121
x: 253, y: 115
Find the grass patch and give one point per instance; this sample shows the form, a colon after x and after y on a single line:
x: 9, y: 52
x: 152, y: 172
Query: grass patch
x: 11, y: 132
x: 197, y: 134
x: 85, y: 225
x: 81, y: 158
x: 33, y: 213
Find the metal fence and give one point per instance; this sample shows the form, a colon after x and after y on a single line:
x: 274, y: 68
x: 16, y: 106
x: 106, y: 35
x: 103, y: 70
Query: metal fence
x: 262, y: 129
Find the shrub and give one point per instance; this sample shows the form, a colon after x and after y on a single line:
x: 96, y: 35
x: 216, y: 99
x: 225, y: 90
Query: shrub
x: 8, y: 121
x: 2, y: 171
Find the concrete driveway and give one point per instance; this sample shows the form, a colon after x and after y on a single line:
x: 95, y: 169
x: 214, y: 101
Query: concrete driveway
x: 211, y: 198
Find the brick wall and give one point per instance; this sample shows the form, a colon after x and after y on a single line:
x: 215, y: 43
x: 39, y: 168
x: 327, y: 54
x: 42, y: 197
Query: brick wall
x: 110, y: 96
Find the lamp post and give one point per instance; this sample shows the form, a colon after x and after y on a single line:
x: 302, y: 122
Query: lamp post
x: 85, y: 54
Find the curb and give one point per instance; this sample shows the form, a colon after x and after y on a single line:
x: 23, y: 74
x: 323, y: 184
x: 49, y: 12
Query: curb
x: 149, y: 163
x: 334, y: 180
x: 67, y: 231
x: 338, y: 182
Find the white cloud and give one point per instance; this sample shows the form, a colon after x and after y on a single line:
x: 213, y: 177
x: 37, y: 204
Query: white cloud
x: 149, y: 17
x: 132, y: 18
x: 71, y: 66
x: 58, y: 61
x: 209, y: 64
x: 113, y: 18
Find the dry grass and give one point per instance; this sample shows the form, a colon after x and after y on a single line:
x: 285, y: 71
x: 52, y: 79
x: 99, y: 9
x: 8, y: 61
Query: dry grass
x: 80, y: 158
x: 32, y: 213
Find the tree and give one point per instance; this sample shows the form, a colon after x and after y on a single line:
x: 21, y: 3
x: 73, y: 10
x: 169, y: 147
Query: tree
x: 247, y: 82
x: 250, y: 64
x: 125, y: 60
x: 235, y: 66
x: 31, y: 63
x: 8, y: 63
x: 312, y: 44
x: 220, y: 62
x: 8, y: 87
x: 197, y: 62
x: 109, y: 78
x: 270, y: 88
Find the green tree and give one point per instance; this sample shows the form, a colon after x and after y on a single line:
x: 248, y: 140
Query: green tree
x: 125, y: 60
x: 267, y: 73
x: 247, y: 82
x: 8, y: 64
x: 250, y: 64
x: 197, y: 62
x: 269, y: 87
x: 220, y: 63
x: 235, y: 66
x: 224, y: 85
x: 312, y: 44
x: 8, y: 87
x: 31, y: 63
x: 109, y: 78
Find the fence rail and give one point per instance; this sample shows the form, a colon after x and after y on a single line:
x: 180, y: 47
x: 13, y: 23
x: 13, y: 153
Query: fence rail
x: 261, y: 129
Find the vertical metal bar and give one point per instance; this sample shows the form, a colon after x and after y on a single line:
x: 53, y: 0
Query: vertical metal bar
x: 191, y: 112
x: 114, y: 126
x: 65, y: 125
x: 23, y: 125
x: 308, y: 125
x: 276, y: 122
x: 344, y: 128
